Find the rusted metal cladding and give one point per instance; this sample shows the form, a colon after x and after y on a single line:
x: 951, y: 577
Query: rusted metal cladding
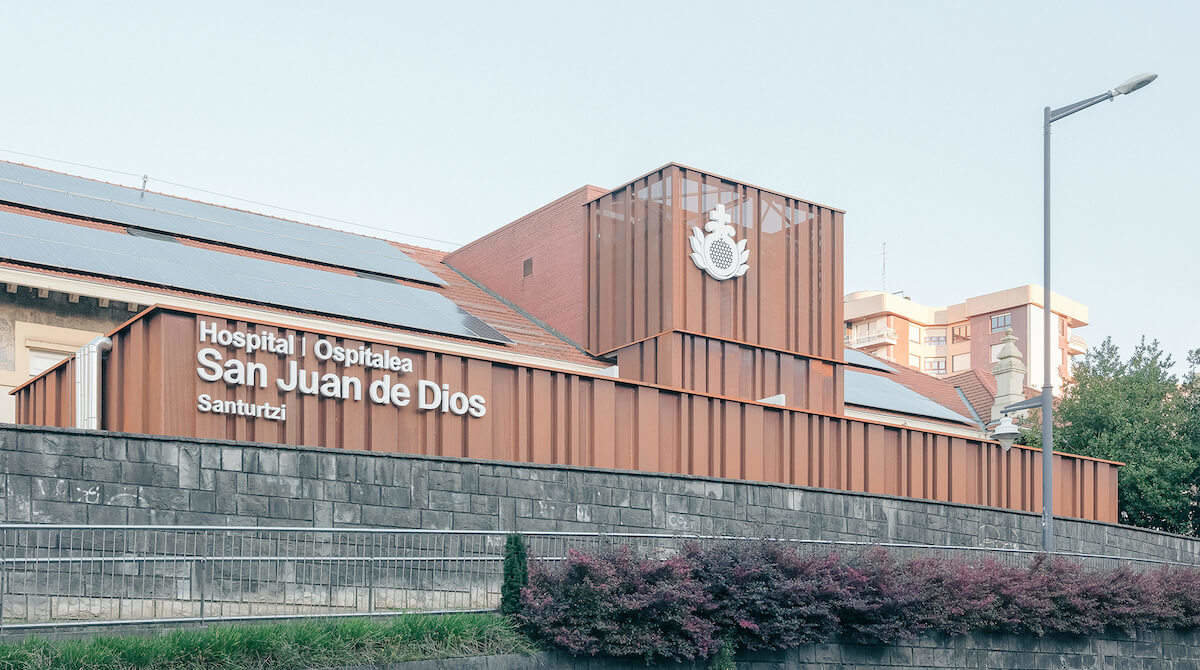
x: 546, y: 416
x: 733, y: 369
x: 641, y: 281
x: 49, y: 400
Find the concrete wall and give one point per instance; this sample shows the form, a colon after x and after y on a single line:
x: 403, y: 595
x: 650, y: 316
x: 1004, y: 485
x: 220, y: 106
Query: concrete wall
x: 70, y: 476
x: 53, y: 323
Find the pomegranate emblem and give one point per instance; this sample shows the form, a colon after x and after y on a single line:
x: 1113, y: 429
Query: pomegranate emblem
x: 717, y: 253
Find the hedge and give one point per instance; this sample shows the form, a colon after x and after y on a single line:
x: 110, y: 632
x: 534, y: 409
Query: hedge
x: 772, y: 596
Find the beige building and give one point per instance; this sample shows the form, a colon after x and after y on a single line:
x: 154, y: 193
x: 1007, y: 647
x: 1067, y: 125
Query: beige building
x: 951, y: 340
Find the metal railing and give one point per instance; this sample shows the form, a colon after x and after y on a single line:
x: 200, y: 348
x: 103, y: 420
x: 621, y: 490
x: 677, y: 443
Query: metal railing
x: 884, y: 336
x: 64, y: 575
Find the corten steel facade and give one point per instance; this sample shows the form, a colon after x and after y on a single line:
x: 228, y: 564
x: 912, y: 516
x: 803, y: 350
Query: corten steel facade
x: 547, y: 416
x: 741, y: 378
x: 775, y: 330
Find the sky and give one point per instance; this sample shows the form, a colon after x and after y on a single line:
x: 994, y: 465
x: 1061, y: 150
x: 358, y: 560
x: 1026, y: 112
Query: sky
x: 445, y: 120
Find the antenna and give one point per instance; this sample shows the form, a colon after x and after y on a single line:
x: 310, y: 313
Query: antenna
x: 883, y: 266
x: 145, y: 178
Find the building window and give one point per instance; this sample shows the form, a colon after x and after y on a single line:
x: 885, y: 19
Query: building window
x: 914, y: 361
x: 936, y: 365
x: 961, y: 362
x: 936, y: 337
x: 960, y: 333
x: 914, y: 333
x: 41, y: 360
x: 527, y: 268
x: 1001, y: 323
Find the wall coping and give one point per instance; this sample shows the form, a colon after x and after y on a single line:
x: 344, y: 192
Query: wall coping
x: 567, y: 468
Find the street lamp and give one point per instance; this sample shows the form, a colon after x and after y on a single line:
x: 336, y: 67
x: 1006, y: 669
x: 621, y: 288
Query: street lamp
x: 1050, y: 116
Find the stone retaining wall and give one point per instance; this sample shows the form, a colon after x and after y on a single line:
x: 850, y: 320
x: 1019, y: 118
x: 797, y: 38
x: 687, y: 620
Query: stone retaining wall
x: 93, y: 477
x: 1145, y: 651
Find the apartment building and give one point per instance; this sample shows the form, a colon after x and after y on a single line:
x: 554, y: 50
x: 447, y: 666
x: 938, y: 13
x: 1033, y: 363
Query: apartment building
x: 954, y: 339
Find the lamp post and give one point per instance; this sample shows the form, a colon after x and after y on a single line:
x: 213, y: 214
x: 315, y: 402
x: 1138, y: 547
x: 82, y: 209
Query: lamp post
x: 1050, y: 116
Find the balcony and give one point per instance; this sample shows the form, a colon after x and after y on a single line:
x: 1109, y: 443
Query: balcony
x: 1076, y: 345
x: 872, y: 339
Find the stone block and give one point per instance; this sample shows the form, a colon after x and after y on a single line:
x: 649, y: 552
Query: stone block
x: 639, y: 518
x: 364, y: 494
x: 451, y: 501
x: 106, y: 515
x: 347, y: 513
x: 149, y: 474
x: 101, y: 470
x: 189, y: 467
x: 300, y: 510
x: 364, y: 470
x: 487, y: 504
x: 322, y: 514
x: 68, y: 444
x: 156, y: 497
x: 445, y: 481
x: 395, y: 496
x: 113, y: 449
x: 373, y: 515
x: 50, y: 511
x: 289, y: 463
x: 436, y: 520
x: 309, y: 465
x: 44, y: 465
x: 337, y: 491
x: 210, y: 457
x: 202, y: 501
x: 344, y: 467
x: 122, y: 495
x: 47, y: 488
x: 163, y: 453
x: 231, y: 459
x: 252, y: 505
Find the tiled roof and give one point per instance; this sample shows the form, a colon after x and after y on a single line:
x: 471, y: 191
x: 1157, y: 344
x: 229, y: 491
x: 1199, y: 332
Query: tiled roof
x: 935, y: 388
x: 980, y: 389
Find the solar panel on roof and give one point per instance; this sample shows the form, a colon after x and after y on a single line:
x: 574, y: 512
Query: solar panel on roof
x: 868, y: 390
x: 859, y: 358
x: 42, y: 242
x: 52, y: 191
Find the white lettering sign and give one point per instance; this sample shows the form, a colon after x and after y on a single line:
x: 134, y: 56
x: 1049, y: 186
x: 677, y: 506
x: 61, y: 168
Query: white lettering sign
x: 347, y: 384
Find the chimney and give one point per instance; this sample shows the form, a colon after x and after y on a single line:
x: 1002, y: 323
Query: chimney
x: 1009, y: 371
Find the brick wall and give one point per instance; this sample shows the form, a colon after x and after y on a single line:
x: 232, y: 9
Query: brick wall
x: 553, y: 239
x: 70, y: 476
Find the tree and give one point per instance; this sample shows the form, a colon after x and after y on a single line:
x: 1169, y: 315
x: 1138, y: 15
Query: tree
x: 1138, y: 412
x: 516, y: 574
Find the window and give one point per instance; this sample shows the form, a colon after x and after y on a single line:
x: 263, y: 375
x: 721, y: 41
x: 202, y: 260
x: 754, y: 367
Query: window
x: 935, y: 337
x: 936, y: 365
x: 914, y: 333
x: 1001, y: 322
x: 961, y: 362
x: 961, y: 333
x: 40, y: 360
x: 914, y: 361
x: 527, y: 268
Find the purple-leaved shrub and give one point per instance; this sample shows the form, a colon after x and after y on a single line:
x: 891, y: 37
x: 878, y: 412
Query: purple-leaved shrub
x: 615, y: 604
x: 770, y: 595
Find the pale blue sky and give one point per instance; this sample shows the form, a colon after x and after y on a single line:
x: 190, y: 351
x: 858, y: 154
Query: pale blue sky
x: 921, y: 120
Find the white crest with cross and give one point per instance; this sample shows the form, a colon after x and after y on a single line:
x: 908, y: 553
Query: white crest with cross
x: 717, y: 253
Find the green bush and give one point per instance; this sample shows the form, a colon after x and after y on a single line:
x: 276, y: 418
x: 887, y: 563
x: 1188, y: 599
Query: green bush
x: 298, y: 645
x: 516, y: 574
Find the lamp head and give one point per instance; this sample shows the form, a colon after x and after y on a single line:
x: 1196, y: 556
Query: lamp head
x: 1006, y: 432
x: 1134, y: 83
